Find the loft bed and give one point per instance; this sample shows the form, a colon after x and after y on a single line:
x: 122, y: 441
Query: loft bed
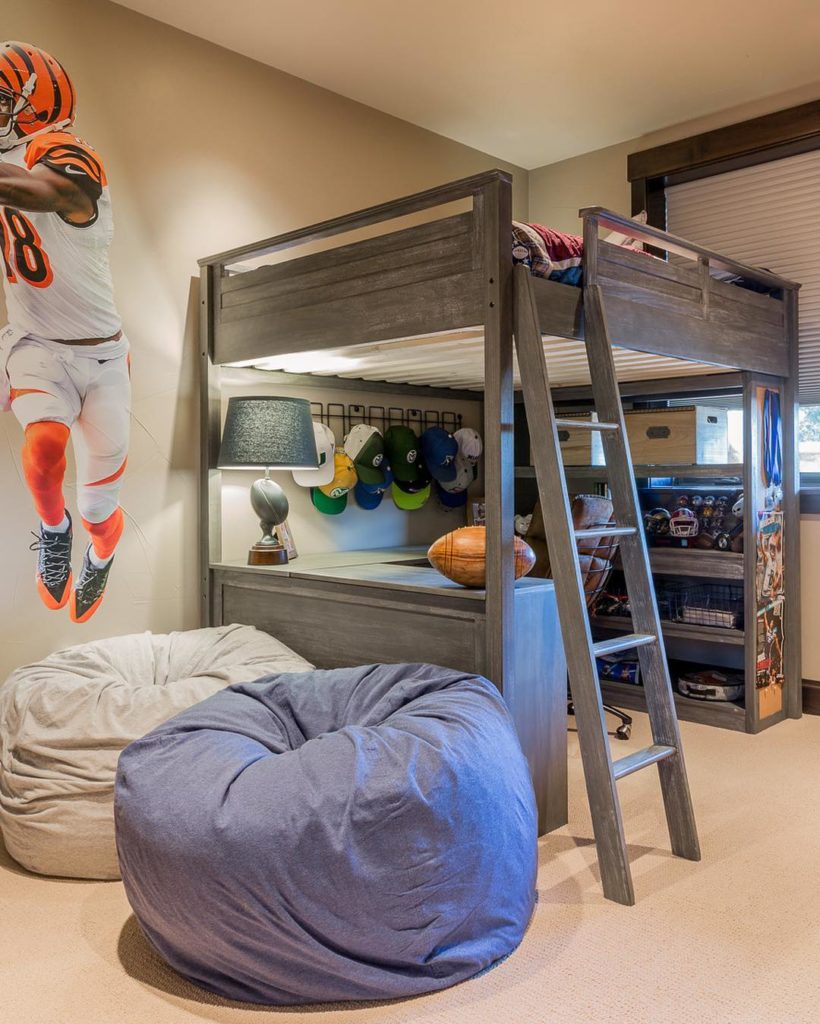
x: 429, y: 305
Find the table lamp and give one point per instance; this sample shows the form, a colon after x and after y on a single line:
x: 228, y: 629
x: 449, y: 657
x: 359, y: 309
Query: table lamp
x: 268, y: 432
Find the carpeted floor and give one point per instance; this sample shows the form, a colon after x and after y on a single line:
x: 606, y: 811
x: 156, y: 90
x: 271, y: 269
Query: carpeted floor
x: 734, y: 939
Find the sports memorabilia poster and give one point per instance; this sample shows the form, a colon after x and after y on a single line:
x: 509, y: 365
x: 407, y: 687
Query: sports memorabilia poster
x: 769, y: 571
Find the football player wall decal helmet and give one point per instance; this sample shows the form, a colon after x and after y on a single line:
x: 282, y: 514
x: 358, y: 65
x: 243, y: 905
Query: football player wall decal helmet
x: 37, y: 91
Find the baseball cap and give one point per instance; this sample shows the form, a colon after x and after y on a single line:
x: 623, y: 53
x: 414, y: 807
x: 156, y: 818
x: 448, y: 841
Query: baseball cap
x: 369, y: 496
x: 470, y: 445
x: 332, y: 498
x: 325, y: 446
x: 401, y: 448
x: 409, y: 500
x: 451, y: 499
x: 439, y: 449
x: 365, y: 446
x: 466, y: 473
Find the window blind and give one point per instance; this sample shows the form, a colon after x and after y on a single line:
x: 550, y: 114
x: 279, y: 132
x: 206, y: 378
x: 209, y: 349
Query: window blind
x: 769, y: 216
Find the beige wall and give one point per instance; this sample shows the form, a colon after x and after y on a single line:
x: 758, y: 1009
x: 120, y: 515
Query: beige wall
x: 205, y: 150
x: 558, y: 191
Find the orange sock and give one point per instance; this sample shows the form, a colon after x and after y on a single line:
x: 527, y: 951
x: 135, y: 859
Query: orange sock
x: 44, y: 468
x: 105, y: 535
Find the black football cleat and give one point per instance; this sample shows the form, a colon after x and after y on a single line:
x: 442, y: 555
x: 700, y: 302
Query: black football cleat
x: 88, y: 592
x: 53, y: 565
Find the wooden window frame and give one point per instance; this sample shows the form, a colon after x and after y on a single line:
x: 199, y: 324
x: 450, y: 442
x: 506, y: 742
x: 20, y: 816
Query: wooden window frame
x: 745, y: 144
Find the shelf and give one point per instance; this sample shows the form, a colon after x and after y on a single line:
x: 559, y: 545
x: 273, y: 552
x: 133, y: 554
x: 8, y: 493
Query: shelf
x: 730, y: 469
x: 711, y: 634
x: 725, y: 714
x: 722, y: 565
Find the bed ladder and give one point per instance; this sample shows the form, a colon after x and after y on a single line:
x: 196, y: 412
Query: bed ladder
x: 600, y: 771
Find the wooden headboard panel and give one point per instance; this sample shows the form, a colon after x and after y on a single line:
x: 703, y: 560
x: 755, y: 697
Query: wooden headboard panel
x: 418, y: 280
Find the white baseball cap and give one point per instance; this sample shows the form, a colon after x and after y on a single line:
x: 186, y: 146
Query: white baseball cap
x: 465, y: 474
x: 470, y: 445
x: 325, y: 446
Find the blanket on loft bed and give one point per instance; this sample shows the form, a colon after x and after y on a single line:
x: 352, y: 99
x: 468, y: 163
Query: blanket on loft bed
x: 559, y: 256
x: 555, y: 255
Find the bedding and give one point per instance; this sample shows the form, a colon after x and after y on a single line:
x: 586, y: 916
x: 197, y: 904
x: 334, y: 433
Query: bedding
x: 555, y: 254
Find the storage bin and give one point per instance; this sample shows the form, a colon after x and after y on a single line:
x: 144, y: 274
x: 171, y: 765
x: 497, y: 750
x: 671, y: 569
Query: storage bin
x: 580, y: 447
x: 678, y: 436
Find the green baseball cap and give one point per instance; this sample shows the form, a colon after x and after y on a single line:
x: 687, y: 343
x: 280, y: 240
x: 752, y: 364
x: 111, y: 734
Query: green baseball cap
x: 401, y: 448
x: 365, y: 446
x: 409, y: 500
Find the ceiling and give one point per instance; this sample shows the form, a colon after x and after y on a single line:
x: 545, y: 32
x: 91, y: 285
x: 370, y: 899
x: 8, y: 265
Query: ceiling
x: 532, y: 83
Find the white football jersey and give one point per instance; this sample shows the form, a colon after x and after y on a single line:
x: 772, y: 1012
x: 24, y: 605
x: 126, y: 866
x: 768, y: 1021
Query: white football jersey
x: 56, y: 275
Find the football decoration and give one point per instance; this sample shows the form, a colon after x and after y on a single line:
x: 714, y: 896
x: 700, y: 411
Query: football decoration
x: 461, y: 556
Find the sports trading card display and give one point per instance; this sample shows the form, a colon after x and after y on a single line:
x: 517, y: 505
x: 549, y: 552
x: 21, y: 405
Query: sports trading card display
x: 769, y: 575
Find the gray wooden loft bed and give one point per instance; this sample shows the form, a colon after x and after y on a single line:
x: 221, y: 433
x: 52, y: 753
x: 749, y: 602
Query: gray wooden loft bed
x: 430, y: 305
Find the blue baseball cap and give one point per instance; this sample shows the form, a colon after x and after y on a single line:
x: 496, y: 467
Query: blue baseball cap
x: 451, y: 499
x: 439, y: 449
x: 369, y: 496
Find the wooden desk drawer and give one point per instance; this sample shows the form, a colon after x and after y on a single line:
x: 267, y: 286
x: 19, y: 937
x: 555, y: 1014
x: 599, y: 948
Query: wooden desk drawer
x: 333, y: 632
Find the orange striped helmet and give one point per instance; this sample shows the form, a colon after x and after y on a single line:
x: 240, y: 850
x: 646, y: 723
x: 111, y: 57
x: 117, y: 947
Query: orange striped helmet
x: 37, y: 91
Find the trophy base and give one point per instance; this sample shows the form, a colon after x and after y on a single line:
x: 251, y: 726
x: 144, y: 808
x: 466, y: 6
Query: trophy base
x: 267, y: 554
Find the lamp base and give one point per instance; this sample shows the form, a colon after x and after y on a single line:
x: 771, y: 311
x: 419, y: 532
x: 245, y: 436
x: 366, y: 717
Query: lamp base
x: 267, y: 554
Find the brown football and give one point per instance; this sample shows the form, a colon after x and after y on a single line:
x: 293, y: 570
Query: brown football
x: 461, y: 556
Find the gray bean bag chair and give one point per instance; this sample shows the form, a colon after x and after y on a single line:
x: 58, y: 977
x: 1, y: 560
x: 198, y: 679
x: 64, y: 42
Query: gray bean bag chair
x: 65, y: 720
x: 334, y: 835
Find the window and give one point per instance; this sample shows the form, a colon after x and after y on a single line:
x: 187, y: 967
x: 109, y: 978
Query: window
x: 808, y: 440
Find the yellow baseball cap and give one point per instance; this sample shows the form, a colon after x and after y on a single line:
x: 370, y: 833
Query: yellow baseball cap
x: 332, y: 498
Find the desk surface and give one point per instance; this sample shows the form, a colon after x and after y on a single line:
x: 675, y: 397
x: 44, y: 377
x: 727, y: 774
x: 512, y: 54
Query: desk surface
x: 378, y: 567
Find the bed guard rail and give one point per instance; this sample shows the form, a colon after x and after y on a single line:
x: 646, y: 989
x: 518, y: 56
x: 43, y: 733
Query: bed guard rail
x: 707, y: 258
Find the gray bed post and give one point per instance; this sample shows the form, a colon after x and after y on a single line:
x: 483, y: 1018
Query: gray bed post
x: 493, y: 205
x: 791, y: 492
x: 210, y: 516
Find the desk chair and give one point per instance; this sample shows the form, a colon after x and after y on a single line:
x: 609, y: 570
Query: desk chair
x: 596, y: 556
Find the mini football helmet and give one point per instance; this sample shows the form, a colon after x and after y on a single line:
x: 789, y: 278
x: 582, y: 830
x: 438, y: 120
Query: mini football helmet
x: 683, y: 500
x: 683, y: 523
x: 37, y: 91
x: 737, y: 508
x: 656, y: 522
x: 697, y: 501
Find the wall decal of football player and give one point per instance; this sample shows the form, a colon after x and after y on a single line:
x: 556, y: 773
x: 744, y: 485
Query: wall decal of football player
x: 64, y: 364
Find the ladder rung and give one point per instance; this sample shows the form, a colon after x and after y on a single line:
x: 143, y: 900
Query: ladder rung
x: 606, y: 531
x: 641, y: 759
x: 585, y: 425
x: 623, y: 643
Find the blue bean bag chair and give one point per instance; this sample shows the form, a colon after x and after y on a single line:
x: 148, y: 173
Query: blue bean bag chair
x: 353, y: 834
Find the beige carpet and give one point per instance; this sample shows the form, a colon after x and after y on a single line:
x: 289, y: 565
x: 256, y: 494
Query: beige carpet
x: 733, y: 939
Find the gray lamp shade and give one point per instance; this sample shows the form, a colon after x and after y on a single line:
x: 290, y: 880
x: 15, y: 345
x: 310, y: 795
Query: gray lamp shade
x: 268, y: 432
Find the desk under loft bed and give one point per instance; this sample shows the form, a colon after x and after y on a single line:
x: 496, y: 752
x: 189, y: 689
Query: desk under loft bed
x: 426, y: 307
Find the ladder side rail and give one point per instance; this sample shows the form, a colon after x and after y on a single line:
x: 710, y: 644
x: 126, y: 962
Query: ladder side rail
x: 569, y: 590
x: 635, y: 558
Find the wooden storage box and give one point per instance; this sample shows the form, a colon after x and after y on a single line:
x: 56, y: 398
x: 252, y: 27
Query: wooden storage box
x: 680, y: 435
x: 581, y: 447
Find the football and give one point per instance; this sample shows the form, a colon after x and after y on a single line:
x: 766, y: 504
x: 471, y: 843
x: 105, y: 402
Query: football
x: 461, y: 556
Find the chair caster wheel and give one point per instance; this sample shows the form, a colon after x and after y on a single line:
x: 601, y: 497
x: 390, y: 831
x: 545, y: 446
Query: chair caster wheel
x: 623, y: 732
